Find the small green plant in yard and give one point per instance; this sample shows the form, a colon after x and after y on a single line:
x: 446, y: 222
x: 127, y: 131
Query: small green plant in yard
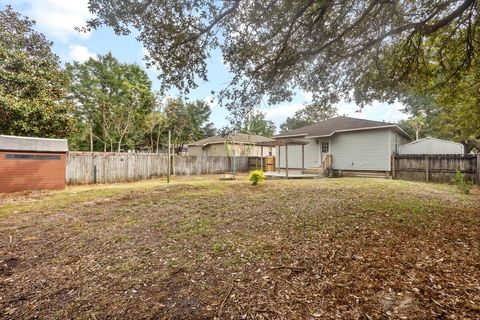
x: 462, y: 184
x: 256, y: 176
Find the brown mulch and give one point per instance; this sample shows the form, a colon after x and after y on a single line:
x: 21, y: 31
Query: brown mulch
x: 318, y: 249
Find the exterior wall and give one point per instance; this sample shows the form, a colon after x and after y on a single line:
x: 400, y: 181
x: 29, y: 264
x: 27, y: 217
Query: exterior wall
x: 195, y: 151
x: 432, y: 146
x: 312, y: 156
x: 396, y: 141
x: 362, y: 150
x: 240, y: 150
x: 31, y: 174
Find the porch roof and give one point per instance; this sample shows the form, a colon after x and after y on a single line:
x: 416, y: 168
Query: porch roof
x: 283, y: 142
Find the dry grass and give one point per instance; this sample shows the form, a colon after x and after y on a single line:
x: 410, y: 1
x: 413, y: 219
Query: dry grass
x: 201, y: 248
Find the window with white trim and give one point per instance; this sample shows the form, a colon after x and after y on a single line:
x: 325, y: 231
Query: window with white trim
x: 325, y: 147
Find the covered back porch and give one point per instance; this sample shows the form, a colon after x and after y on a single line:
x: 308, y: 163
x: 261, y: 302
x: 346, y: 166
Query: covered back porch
x: 282, y: 146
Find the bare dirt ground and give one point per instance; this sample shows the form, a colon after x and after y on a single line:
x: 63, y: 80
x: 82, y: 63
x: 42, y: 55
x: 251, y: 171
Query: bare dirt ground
x: 203, y: 248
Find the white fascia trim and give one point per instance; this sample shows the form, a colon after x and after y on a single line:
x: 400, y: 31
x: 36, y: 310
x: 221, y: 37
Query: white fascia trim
x: 31, y: 138
x: 357, y: 129
x: 290, y: 135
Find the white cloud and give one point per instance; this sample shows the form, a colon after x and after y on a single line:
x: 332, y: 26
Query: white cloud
x: 80, y: 53
x: 376, y: 111
x: 280, y: 113
x: 58, y: 18
x: 379, y: 111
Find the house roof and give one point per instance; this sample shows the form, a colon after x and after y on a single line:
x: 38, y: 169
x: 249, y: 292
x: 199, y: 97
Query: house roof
x: 16, y: 143
x: 244, y: 138
x: 331, y: 126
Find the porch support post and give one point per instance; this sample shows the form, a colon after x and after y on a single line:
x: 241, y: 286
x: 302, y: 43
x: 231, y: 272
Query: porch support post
x: 261, y: 158
x: 303, y: 158
x: 286, y: 160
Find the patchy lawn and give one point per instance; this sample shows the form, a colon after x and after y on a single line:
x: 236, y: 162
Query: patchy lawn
x: 203, y: 248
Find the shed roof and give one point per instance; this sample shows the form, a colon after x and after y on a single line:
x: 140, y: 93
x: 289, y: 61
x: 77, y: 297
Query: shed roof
x: 331, y: 126
x: 422, y: 140
x: 244, y: 138
x: 16, y: 143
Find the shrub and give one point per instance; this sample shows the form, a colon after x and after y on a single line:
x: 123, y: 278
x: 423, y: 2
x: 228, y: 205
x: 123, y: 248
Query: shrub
x: 256, y: 176
x: 462, y: 184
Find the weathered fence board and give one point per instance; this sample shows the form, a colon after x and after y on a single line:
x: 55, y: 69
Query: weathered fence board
x: 255, y: 163
x: 435, y: 168
x: 105, y: 167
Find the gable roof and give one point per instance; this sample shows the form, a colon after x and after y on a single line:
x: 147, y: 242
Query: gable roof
x: 16, y: 143
x: 331, y: 126
x: 244, y: 138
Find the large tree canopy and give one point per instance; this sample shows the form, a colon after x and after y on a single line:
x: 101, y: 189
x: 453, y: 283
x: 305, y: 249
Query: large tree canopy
x: 187, y: 120
x: 112, y: 100
x: 336, y: 48
x: 33, y: 87
x: 257, y: 123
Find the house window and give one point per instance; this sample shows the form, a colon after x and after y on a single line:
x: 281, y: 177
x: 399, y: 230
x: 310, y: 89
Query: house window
x: 325, y: 147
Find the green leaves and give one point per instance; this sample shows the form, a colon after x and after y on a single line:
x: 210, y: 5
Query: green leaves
x: 189, y: 121
x: 112, y: 98
x: 256, y: 123
x: 33, y: 87
x: 363, y: 50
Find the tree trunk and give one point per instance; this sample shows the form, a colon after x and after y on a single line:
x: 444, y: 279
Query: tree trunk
x: 91, y: 138
x: 469, y: 145
x: 151, y: 140
x: 158, y: 139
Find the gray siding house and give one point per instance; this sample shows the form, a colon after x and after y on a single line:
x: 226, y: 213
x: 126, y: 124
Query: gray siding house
x: 354, y: 144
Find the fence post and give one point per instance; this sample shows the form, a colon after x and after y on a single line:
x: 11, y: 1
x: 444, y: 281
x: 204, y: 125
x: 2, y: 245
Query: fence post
x: 427, y: 173
x: 478, y: 169
x: 393, y: 166
x: 168, y: 161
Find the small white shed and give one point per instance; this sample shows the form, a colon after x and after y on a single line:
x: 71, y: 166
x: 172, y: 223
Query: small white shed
x: 431, y: 146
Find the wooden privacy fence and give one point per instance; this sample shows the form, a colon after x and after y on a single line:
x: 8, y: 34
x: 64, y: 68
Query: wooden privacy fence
x: 255, y: 163
x: 105, y: 167
x: 435, y: 168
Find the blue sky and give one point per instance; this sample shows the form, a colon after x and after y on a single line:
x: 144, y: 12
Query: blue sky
x: 57, y: 19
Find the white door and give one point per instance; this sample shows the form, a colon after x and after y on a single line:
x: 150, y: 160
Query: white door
x: 324, y: 148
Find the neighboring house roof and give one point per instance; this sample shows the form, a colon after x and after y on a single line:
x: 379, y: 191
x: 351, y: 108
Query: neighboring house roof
x: 15, y: 143
x: 331, y: 126
x: 244, y: 138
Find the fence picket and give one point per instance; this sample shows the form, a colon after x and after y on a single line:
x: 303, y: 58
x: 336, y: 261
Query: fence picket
x: 441, y: 168
x: 118, y: 167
